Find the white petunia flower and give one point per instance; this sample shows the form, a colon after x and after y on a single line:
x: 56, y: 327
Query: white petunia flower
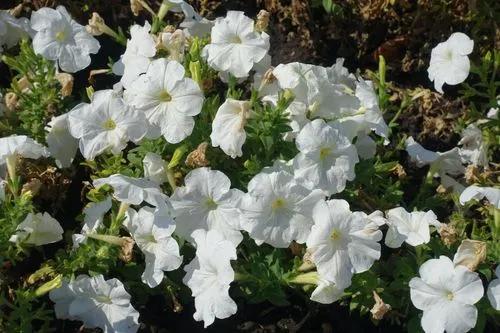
x: 194, y: 24
x: 134, y: 191
x: 474, y: 149
x: 12, y: 29
x: 59, y: 37
x: 93, y: 218
x: 446, y: 294
x: 209, y: 276
x: 169, y: 99
x: 152, y: 232
x: 478, y: 193
x: 207, y: 202
x: 228, y: 127
x: 24, y: 146
x: 442, y: 164
x: 174, y: 43
x: 155, y: 168
x: 412, y: 228
x: 494, y: 290
x: 342, y: 242
x: 61, y: 144
x: 235, y: 46
x: 38, y: 229
x: 278, y: 210
x: 450, y: 62
x: 141, y: 48
x: 3, y: 183
x: 107, y: 123
x: 98, y: 303
x: 326, y: 292
x: 326, y: 158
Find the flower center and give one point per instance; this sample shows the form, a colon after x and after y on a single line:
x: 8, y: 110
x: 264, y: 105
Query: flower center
x: 324, y: 153
x: 60, y: 36
x: 150, y: 239
x: 450, y: 296
x: 335, y: 235
x: 103, y: 299
x: 210, y: 204
x: 449, y: 55
x: 165, y: 96
x: 235, y: 40
x: 109, y: 125
x: 278, y: 203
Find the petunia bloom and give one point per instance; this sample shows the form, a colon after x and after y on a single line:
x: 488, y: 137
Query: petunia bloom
x: 473, y: 148
x: 22, y: 145
x: 494, y: 290
x: 209, y: 276
x: 38, y: 229
x: 450, y: 62
x: 152, y: 231
x: 12, y: 29
x: 93, y: 218
x: 155, y: 168
x: 107, y: 123
x: 61, y: 144
x: 342, y: 242
x: 228, y: 127
x: 97, y: 302
x: 235, y: 46
x: 207, y: 202
x: 478, y: 193
x: 412, y: 228
x: 168, y: 98
x: 59, y: 37
x: 446, y: 294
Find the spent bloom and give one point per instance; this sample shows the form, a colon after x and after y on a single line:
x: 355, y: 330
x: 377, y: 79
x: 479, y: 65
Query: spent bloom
x: 494, y: 290
x: 228, y: 127
x: 168, y: 98
x: 326, y: 159
x: 207, y: 202
x: 412, y: 228
x: 470, y: 254
x: 93, y: 218
x: 61, y: 144
x: 450, y: 62
x: 59, y: 37
x: 152, y: 231
x: 235, y: 46
x: 342, y: 242
x: 446, y: 294
x: 209, y: 276
x: 107, y: 123
x: 97, y: 303
x: 278, y: 210
x: 38, y: 229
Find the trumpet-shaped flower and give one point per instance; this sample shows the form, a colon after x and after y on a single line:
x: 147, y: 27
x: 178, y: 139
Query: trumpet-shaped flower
x: 494, y: 290
x: 342, y: 242
x: 59, y: 37
x: 12, y: 29
x: 61, y: 144
x: 194, y: 24
x: 24, y: 146
x: 209, y: 276
x: 326, y: 292
x: 93, y: 218
x: 141, y: 48
x: 326, y: 158
x: 106, y: 123
x: 278, y: 210
x: 207, y: 202
x: 478, y: 193
x: 155, y: 168
x: 473, y: 148
x: 134, y: 191
x: 97, y: 302
x: 169, y: 99
x: 38, y: 229
x: 235, y: 46
x: 228, y: 127
x: 152, y: 231
x: 412, y: 228
x: 446, y: 294
x: 450, y: 62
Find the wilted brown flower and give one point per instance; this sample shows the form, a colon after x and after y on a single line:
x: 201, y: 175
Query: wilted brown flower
x: 448, y: 234
x: 470, y: 254
x: 262, y: 21
x: 95, y: 25
x: 66, y: 81
x: 33, y: 187
x: 379, y: 309
x: 136, y: 7
x: 197, y: 158
x: 127, y: 249
x: 11, y: 101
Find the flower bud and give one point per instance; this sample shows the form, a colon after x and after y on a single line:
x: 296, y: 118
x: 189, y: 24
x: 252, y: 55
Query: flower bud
x: 176, y: 158
x: 379, y: 309
x: 470, y: 254
x: 66, y: 81
x: 48, y: 286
